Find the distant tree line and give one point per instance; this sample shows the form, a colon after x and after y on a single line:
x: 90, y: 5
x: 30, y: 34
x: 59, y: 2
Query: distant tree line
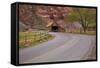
x: 85, y: 16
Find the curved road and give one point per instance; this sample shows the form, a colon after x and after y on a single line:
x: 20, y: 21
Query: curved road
x: 64, y: 47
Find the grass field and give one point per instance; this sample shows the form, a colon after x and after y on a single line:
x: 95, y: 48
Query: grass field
x: 82, y: 32
x: 28, y: 39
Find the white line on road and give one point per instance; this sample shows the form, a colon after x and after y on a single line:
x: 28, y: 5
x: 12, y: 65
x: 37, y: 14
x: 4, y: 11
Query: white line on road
x: 53, y: 53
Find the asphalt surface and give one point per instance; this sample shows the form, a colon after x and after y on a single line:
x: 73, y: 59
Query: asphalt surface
x: 64, y: 47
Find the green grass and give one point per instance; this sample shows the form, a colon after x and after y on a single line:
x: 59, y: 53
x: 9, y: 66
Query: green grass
x: 82, y: 32
x: 89, y: 33
x: 28, y: 39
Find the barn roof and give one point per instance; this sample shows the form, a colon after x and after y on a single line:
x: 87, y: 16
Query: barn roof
x: 59, y: 23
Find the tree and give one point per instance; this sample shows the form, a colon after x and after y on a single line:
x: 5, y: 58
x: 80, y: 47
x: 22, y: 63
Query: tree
x: 54, y: 14
x: 86, y: 17
x: 29, y: 18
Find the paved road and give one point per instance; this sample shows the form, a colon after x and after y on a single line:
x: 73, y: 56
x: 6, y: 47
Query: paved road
x: 64, y: 47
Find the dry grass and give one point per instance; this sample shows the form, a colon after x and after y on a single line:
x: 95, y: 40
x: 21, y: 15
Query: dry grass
x: 27, y: 39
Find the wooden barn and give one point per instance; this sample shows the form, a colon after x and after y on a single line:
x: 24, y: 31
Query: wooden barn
x: 58, y: 26
x: 54, y: 16
x: 48, y: 18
